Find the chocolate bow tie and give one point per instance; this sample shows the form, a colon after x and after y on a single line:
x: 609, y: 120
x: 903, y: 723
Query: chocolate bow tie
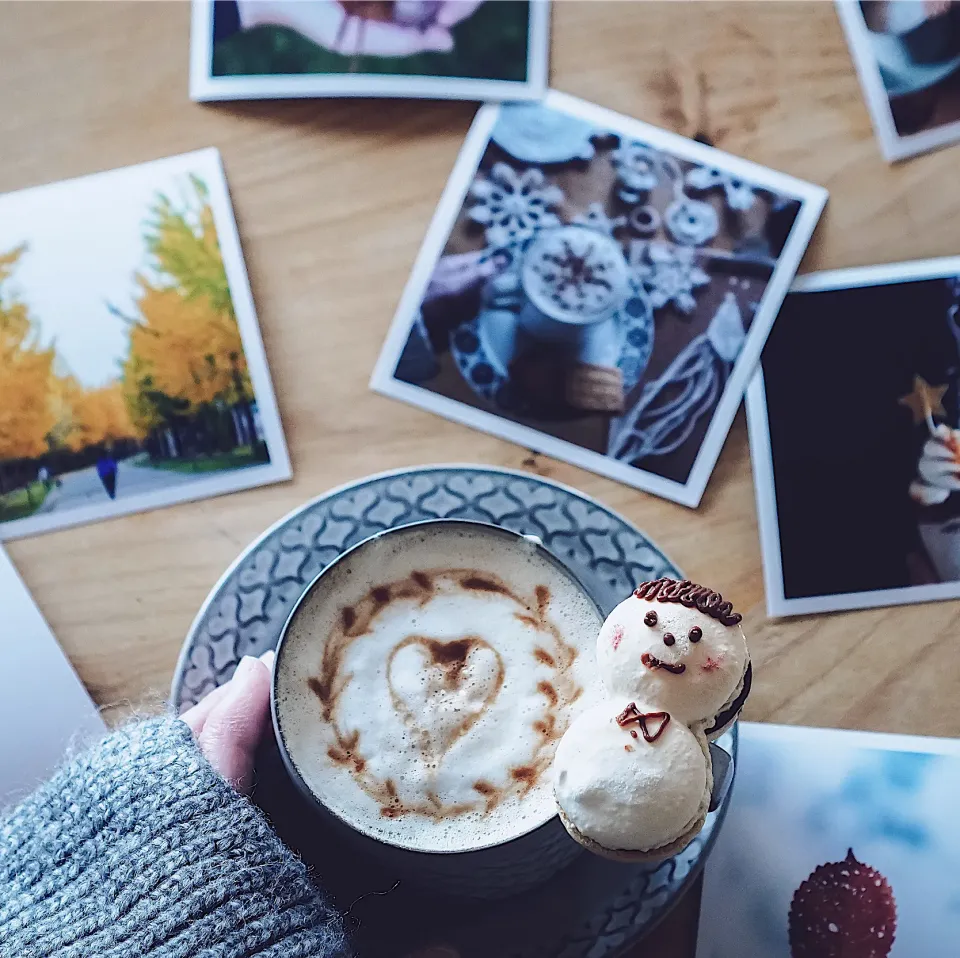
x: 632, y: 714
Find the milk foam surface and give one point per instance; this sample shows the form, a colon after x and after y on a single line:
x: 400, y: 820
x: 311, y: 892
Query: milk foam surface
x: 424, y: 684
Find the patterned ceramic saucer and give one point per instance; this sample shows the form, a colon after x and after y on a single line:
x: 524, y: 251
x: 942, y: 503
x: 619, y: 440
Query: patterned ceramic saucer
x: 593, y: 909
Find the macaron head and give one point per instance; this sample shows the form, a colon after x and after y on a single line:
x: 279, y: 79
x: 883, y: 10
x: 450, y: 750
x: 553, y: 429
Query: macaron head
x: 675, y: 646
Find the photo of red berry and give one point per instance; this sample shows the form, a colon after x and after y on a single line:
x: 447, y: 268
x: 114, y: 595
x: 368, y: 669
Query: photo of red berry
x: 844, y: 909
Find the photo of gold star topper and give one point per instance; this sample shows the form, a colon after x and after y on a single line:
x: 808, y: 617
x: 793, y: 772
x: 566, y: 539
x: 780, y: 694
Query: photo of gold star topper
x: 924, y: 401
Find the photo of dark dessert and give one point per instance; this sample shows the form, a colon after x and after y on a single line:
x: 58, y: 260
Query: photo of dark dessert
x: 907, y: 53
x: 856, y: 448
x: 917, y: 45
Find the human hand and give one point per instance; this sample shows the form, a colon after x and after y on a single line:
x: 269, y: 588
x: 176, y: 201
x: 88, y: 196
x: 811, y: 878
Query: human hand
x: 230, y: 722
x: 937, y: 8
x: 459, y: 272
x: 370, y: 28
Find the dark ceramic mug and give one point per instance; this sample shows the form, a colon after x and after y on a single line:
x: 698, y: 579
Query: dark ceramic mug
x: 494, y: 870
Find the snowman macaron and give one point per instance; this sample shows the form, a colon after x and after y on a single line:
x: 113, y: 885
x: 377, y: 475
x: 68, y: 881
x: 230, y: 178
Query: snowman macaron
x: 632, y: 775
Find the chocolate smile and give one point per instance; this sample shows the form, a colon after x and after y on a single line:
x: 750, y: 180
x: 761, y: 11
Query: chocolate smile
x: 652, y: 663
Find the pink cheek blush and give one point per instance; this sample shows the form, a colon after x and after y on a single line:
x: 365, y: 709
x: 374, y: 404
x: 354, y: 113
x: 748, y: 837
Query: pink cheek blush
x: 617, y: 637
x: 712, y: 664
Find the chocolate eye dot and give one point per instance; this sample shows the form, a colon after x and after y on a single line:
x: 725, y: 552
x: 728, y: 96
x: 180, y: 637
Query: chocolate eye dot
x: 650, y: 618
x: 668, y: 638
x: 696, y: 634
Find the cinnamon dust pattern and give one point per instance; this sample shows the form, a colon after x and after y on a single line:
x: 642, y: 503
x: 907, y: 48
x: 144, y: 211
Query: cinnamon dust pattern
x: 450, y: 658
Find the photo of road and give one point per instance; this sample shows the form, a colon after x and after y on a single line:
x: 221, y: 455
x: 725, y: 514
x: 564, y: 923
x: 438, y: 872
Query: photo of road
x: 84, y: 487
x: 123, y: 355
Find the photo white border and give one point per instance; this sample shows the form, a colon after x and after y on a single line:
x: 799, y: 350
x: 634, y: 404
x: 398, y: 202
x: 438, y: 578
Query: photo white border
x: 205, y: 87
x: 206, y: 164
x: 36, y: 679
x: 853, y: 738
x: 893, y: 146
x: 761, y: 455
x: 812, y: 199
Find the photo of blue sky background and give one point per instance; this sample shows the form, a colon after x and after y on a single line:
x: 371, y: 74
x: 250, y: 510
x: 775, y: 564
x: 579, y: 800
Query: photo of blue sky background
x: 801, y: 798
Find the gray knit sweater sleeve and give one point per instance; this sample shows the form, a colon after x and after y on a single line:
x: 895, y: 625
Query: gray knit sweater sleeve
x: 138, y: 849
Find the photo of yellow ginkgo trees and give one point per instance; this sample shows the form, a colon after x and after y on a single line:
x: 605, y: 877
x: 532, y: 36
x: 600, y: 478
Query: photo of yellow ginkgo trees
x: 126, y: 378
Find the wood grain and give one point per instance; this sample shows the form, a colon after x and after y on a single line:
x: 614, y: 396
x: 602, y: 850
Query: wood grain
x: 333, y: 199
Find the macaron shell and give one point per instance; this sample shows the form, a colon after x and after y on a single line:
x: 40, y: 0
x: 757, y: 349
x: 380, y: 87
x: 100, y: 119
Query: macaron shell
x: 628, y: 795
x: 712, y: 666
x: 731, y: 710
x: 622, y: 855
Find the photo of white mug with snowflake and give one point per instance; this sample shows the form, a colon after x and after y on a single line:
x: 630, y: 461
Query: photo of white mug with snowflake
x: 599, y: 290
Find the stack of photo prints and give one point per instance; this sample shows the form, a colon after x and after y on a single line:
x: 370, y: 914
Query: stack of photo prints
x: 592, y: 288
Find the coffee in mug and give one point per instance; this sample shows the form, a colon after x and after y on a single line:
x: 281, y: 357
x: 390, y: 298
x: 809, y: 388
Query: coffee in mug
x: 424, y: 681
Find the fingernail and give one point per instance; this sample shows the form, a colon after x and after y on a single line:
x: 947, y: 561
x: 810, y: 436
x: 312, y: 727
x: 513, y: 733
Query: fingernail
x: 245, y: 669
x: 268, y: 658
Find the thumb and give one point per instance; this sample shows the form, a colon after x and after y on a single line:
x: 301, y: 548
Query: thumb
x: 234, y: 727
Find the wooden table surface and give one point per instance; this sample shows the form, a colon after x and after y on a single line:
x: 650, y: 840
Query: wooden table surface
x: 333, y: 199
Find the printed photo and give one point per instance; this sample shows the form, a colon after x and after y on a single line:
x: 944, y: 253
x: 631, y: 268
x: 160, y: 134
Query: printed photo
x: 855, y: 441
x: 36, y: 679
x: 598, y: 290
x: 835, y: 843
x: 441, y: 49
x: 132, y: 373
x: 907, y: 55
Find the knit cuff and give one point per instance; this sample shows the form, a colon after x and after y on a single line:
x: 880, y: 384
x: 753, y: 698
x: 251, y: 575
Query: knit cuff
x: 139, y: 848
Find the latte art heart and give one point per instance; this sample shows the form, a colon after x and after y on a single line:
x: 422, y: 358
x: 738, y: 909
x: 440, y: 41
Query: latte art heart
x: 441, y: 685
x: 426, y: 700
x: 440, y: 689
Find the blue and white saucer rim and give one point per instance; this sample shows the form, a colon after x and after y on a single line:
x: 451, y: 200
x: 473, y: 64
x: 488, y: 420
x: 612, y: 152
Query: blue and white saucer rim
x: 611, y: 905
x: 561, y: 491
